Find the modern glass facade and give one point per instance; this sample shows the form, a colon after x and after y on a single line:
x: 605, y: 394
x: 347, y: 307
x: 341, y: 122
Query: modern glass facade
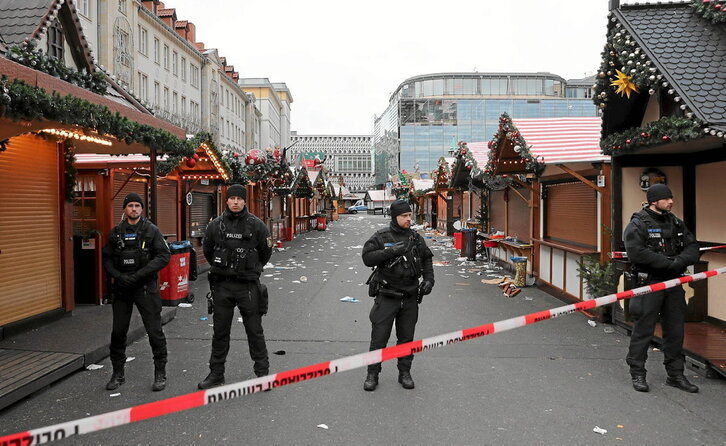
x: 427, y: 115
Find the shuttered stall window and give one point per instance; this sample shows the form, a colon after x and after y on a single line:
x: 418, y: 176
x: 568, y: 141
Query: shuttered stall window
x: 201, y: 212
x: 29, y: 229
x: 497, y: 210
x: 121, y: 188
x: 518, y: 216
x: 167, y: 209
x: 571, y: 214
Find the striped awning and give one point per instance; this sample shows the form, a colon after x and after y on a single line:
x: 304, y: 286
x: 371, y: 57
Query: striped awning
x: 563, y: 140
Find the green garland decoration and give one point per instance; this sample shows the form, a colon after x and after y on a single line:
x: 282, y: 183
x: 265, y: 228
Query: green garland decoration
x: 27, y: 53
x: 508, y: 131
x: 30, y: 103
x: 665, y: 130
x: 421, y: 193
x: 715, y: 11
x: 69, y: 162
x: 173, y: 160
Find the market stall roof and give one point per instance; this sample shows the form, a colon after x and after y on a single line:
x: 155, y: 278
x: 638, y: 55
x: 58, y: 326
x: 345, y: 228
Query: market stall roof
x: 563, y: 140
x: 379, y: 195
x: 687, y: 48
x: 422, y: 184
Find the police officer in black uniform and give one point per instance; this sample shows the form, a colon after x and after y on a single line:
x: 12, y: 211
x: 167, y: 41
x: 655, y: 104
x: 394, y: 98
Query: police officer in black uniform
x: 660, y: 248
x: 133, y: 256
x: 237, y: 245
x: 401, y: 257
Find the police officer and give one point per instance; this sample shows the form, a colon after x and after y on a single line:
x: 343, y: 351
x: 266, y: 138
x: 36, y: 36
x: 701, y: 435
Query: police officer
x: 660, y: 248
x: 401, y: 257
x: 237, y: 245
x: 133, y: 256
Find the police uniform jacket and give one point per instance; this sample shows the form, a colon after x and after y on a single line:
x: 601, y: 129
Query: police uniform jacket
x: 659, y: 244
x: 138, y: 249
x: 400, y: 272
x: 237, y: 245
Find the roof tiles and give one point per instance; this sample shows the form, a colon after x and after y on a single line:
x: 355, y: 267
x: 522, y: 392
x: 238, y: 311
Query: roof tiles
x: 689, y: 49
x: 20, y: 18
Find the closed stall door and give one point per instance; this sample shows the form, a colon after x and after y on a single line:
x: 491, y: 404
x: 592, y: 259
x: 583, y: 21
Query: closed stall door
x: 121, y: 188
x: 30, y: 280
x: 167, y: 209
x: 571, y: 214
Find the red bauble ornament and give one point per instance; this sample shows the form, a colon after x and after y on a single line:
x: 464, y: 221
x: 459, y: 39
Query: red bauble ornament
x: 277, y: 153
x: 627, y: 141
x: 717, y: 6
x: 191, y: 162
x: 235, y: 154
x: 666, y: 138
x: 195, y: 157
x: 255, y: 156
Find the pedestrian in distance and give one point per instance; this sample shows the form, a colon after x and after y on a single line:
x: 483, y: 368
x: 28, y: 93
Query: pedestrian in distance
x: 135, y: 252
x: 237, y: 245
x: 400, y: 258
x: 660, y: 247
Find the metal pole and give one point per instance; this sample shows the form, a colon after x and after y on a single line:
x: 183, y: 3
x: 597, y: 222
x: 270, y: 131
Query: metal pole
x: 152, y: 192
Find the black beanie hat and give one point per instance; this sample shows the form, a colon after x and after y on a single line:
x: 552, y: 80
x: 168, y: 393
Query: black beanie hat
x: 133, y: 197
x: 399, y: 207
x: 237, y: 190
x: 658, y: 191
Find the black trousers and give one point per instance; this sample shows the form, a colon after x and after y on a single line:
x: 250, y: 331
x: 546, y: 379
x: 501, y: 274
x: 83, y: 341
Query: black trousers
x: 670, y: 306
x: 149, y: 306
x: 386, y: 311
x: 229, y: 294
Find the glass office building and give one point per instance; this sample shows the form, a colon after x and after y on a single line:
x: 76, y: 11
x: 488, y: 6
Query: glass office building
x: 427, y: 115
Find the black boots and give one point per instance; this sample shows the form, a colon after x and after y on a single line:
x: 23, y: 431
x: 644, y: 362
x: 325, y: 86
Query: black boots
x: 117, y: 378
x: 682, y: 383
x: 212, y: 380
x: 159, y: 379
x: 640, y: 384
x: 405, y: 379
x: 371, y: 382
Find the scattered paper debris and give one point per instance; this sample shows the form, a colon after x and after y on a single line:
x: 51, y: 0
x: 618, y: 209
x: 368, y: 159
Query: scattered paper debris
x: 349, y: 299
x: 599, y: 430
x: 94, y: 366
x: 323, y: 426
x: 185, y: 305
x: 295, y: 281
x: 656, y: 349
x: 608, y: 330
x: 204, y: 318
x: 303, y: 279
x: 130, y: 358
x: 620, y: 426
x: 240, y: 320
x: 592, y: 323
x: 114, y: 394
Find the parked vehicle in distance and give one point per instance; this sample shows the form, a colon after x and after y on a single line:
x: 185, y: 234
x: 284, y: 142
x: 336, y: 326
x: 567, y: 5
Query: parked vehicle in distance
x: 359, y: 206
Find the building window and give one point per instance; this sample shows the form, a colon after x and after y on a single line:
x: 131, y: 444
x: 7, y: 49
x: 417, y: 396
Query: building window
x: 143, y: 86
x: 143, y: 41
x: 157, y: 94
x: 156, y: 50
x: 184, y: 106
x: 184, y: 69
x: 194, y: 75
x: 83, y: 8
x: 175, y: 63
x: 55, y: 40
x: 175, y: 103
x: 166, y: 57
x: 166, y: 98
x: 122, y: 6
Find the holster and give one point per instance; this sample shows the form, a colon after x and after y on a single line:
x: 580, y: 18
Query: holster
x: 263, y: 298
x: 373, y: 283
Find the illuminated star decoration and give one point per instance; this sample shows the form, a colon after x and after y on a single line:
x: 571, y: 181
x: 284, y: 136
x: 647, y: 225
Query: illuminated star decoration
x: 624, y: 84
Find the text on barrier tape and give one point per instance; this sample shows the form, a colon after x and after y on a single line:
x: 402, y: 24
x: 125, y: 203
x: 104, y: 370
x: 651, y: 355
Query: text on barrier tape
x: 204, y: 397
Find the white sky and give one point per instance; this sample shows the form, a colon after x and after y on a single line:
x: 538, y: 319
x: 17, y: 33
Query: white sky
x: 342, y: 59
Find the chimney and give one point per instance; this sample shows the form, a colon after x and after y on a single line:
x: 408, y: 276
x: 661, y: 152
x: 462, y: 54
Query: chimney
x: 168, y: 16
x: 614, y: 4
x: 150, y: 5
x: 191, y: 33
x: 182, y: 28
x: 200, y: 45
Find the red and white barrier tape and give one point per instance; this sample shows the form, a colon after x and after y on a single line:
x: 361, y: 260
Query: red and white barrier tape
x: 229, y: 391
x: 624, y: 255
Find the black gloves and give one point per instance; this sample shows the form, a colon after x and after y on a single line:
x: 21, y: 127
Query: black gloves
x: 128, y: 280
x: 676, y: 267
x: 398, y: 249
x: 423, y: 289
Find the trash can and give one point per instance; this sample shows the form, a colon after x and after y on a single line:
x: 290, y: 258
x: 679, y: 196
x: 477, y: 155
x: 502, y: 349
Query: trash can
x: 322, y: 222
x: 520, y: 268
x: 468, y: 243
x: 174, y: 277
x: 457, y: 240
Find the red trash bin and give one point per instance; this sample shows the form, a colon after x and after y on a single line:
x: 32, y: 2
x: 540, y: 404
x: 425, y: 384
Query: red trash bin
x: 174, y: 277
x: 457, y: 240
x: 322, y: 222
